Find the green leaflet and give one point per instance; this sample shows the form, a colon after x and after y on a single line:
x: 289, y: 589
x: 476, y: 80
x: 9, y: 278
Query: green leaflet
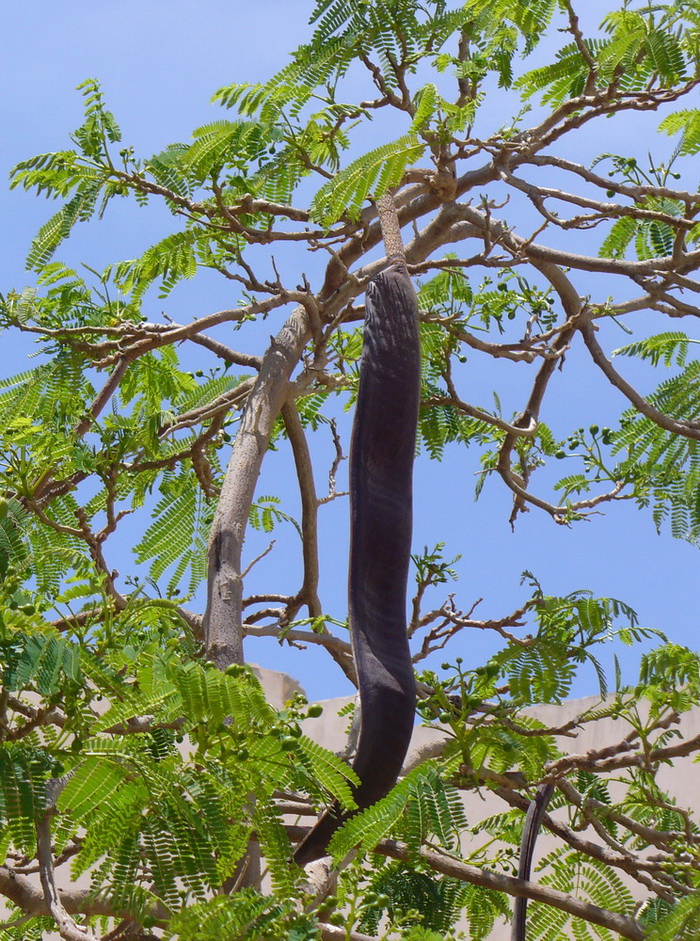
x: 47, y: 661
x: 562, y: 79
x: 687, y: 122
x: 78, y: 209
x: 171, y: 260
x: 668, y: 348
x: 178, y: 534
x: 429, y: 808
x: 370, y: 175
x: 368, y: 827
x: 673, y: 923
x: 91, y: 784
x: 434, y: 810
x: 277, y: 850
x: 265, y: 514
x: 426, y: 103
x: 331, y: 772
x: 24, y: 771
x: 664, y: 467
x: 218, y: 143
x: 567, y: 872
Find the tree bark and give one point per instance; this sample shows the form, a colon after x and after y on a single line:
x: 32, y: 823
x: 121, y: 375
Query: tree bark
x: 223, y: 621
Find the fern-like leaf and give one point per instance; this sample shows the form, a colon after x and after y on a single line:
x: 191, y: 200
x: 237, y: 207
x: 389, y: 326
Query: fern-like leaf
x: 370, y: 175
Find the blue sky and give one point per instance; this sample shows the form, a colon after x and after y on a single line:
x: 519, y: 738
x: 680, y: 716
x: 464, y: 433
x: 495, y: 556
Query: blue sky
x: 159, y: 63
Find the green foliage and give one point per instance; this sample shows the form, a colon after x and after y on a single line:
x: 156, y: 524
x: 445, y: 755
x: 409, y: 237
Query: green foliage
x: 173, y: 259
x: 24, y: 769
x: 687, y: 122
x: 409, y: 895
x: 167, y: 770
x: 421, y: 804
x: 681, y: 921
x: 541, y: 668
x: 178, y: 534
x: 664, y: 467
x: 639, y: 43
x: 566, y: 872
x: 370, y: 175
x: 265, y: 514
x: 240, y: 917
x: 161, y: 824
x: 667, y: 348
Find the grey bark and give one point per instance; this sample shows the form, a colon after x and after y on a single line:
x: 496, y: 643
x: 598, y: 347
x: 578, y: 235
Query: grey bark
x: 223, y: 620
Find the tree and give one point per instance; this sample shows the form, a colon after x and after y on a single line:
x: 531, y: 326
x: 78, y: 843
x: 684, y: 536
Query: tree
x: 519, y: 251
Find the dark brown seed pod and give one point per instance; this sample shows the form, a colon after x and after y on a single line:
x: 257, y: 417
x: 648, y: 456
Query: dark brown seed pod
x: 381, y: 500
x: 531, y: 827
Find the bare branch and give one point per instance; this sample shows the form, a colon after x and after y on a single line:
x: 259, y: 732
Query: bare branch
x: 340, y: 650
x: 66, y: 925
x: 684, y: 428
x: 308, y: 593
x: 223, y: 620
x: 500, y: 882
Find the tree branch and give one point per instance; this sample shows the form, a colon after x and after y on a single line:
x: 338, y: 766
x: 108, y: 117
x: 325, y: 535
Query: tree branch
x: 308, y: 593
x: 499, y: 882
x: 223, y: 618
x: 67, y: 927
x: 684, y: 428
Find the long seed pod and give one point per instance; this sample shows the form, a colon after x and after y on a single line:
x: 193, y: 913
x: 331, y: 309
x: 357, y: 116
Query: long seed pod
x: 531, y: 827
x: 381, y: 500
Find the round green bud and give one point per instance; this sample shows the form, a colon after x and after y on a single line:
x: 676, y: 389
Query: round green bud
x: 314, y: 711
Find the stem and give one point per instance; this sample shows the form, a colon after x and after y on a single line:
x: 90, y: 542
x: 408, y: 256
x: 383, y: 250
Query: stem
x: 223, y: 621
x: 391, y: 228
